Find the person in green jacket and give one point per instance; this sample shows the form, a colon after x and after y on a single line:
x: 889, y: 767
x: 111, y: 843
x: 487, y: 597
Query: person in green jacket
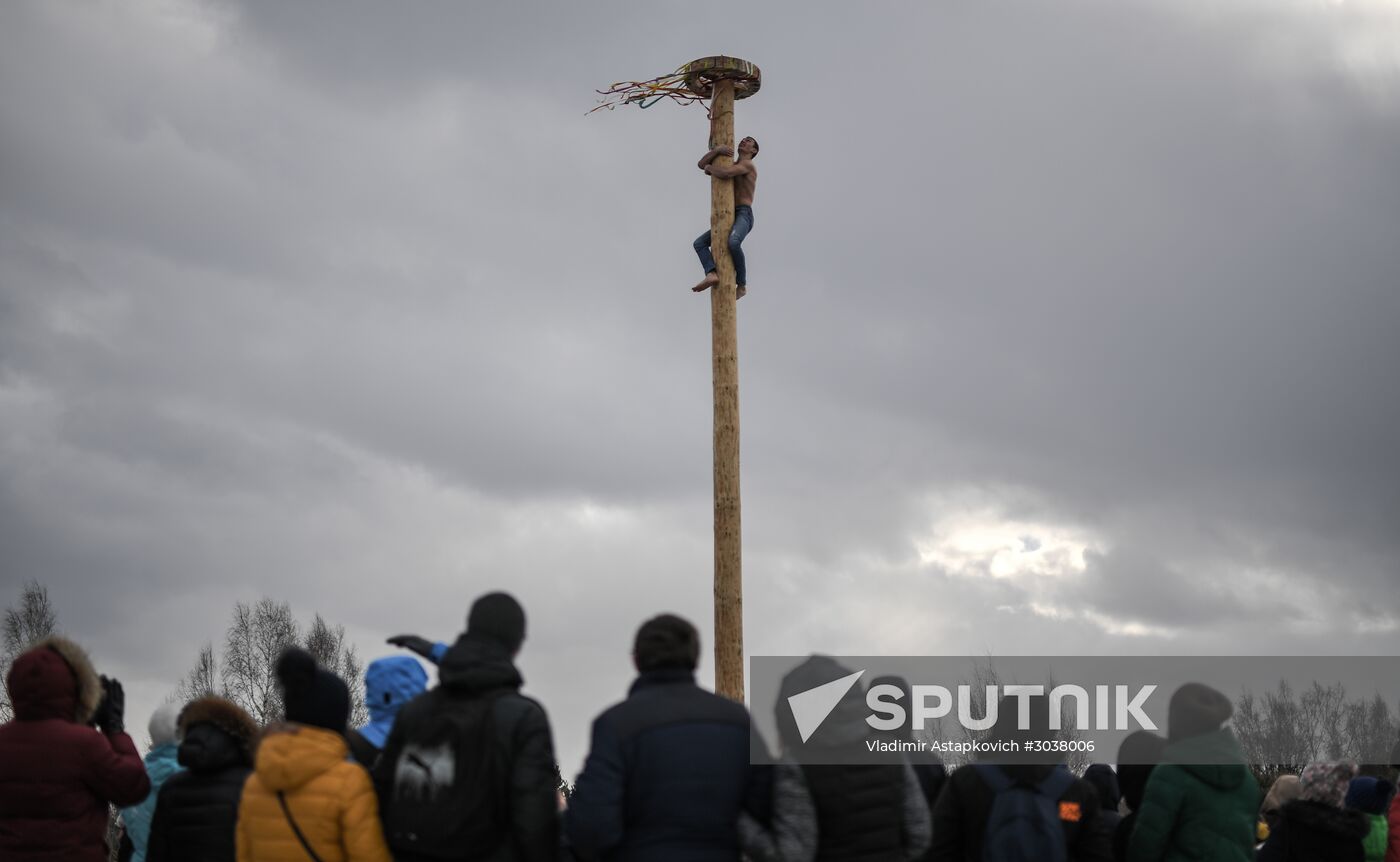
x: 1200, y: 802
x: 1371, y: 796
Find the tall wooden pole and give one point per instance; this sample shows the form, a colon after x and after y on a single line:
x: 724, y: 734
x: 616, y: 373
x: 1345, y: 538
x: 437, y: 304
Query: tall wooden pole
x: 729, y: 580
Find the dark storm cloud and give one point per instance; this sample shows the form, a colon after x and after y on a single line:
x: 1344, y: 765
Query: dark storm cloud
x: 357, y: 309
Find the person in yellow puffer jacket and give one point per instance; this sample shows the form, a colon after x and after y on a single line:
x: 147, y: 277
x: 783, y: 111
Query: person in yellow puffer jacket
x: 303, y: 782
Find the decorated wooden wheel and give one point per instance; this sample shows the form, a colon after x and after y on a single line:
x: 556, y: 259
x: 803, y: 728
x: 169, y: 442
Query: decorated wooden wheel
x: 700, y: 76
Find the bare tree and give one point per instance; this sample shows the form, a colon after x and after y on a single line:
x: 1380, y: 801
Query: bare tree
x: 203, y: 678
x: 1077, y: 758
x: 1272, y: 734
x: 246, y: 673
x: 1282, y: 732
x: 1321, y: 711
x: 257, y: 635
x: 1369, y: 731
x: 25, y: 625
x: 328, y: 645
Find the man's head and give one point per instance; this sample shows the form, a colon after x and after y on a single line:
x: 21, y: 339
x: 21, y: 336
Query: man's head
x: 666, y: 642
x: 748, y: 148
x: 500, y: 618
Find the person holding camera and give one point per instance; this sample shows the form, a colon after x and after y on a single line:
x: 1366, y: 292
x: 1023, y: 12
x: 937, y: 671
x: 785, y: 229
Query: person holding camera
x: 64, y: 757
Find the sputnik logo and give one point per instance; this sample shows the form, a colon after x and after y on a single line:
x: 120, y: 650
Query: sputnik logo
x: 811, y: 707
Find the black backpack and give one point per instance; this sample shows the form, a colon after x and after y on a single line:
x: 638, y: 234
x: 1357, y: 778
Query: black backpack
x: 446, y: 796
x: 1024, y: 823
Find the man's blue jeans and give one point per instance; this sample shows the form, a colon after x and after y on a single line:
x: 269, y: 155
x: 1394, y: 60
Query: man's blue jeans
x: 743, y: 223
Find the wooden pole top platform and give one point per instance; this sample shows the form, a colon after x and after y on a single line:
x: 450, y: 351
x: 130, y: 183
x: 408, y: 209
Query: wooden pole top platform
x: 701, y: 75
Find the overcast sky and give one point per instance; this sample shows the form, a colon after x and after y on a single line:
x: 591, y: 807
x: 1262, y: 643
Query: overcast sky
x: 1072, y: 327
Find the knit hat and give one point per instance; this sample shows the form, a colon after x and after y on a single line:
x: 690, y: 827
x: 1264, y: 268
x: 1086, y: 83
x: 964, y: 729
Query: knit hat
x: 500, y: 617
x: 1196, y: 709
x: 312, y: 694
x: 1327, y: 782
x: 1369, y: 795
x: 162, y: 725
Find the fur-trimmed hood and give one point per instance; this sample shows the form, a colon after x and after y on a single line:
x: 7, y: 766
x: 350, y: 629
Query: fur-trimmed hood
x: 54, y: 679
x: 225, y: 715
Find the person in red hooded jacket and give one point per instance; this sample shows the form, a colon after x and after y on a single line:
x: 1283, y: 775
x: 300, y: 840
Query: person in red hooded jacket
x: 59, y: 774
x: 1392, y: 847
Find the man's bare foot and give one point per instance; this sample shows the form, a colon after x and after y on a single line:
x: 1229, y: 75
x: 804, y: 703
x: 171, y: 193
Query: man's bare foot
x: 710, y: 280
x: 740, y: 291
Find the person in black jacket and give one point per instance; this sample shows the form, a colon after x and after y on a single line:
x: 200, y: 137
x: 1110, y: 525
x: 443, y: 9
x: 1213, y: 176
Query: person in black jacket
x: 197, y: 809
x: 1315, y: 827
x: 829, y: 803
x: 667, y: 773
x: 960, y: 819
x: 1105, y: 783
x: 928, y: 767
x: 1138, y: 755
x: 468, y: 769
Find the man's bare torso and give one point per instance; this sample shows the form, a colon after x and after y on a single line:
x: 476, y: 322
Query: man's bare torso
x: 744, y: 185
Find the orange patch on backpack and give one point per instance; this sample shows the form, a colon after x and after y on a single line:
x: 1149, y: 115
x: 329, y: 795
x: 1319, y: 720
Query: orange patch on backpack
x: 1069, y: 811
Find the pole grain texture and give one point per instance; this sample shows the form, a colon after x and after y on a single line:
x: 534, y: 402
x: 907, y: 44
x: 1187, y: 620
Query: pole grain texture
x: 729, y: 582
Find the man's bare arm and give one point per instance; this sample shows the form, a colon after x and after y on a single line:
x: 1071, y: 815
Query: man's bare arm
x: 726, y: 172
x: 712, y: 155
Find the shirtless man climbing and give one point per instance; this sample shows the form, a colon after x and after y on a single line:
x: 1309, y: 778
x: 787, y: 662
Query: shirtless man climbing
x: 745, y: 177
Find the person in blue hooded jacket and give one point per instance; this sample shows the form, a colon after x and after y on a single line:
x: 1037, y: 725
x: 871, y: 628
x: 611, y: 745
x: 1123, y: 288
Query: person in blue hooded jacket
x: 161, y: 763
x: 389, y: 684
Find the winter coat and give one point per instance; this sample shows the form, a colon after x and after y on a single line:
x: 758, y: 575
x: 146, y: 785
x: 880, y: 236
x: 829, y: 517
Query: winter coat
x: 1132, y: 783
x: 963, y: 809
x: 666, y: 776
x: 1105, y: 783
x: 932, y: 777
x: 474, y: 668
x: 1122, y: 834
x: 841, y: 812
x: 1371, y: 796
x: 389, y: 684
x: 57, y: 775
x: 161, y: 763
x: 330, y: 798
x: 1195, y: 810
x: 868, y: 812
x: 1377, y: 839
x: 1309, y: 831
x: 1392, y: 835
x: 196, y: 815
x: 827, y: 807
